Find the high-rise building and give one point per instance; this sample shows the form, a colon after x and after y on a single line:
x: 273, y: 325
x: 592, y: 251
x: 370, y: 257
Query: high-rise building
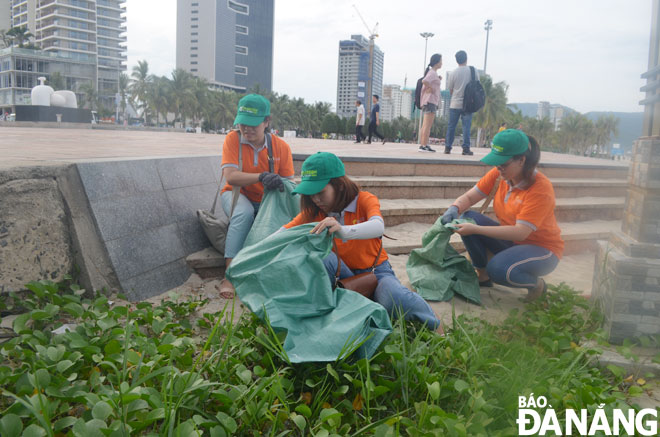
x: 227, y: 42
x: 80, y: 30
x: 353, y: 74
x: 395, y: 103
x: 5, y: 15
x: 543, y: 110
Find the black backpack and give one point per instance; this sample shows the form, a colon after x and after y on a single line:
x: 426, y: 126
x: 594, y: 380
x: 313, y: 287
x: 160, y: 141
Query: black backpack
x: 418, y: 93
x: 474, y: 96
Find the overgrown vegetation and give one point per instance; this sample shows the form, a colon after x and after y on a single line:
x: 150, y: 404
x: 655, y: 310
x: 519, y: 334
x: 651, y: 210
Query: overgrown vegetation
x: 158, y: 370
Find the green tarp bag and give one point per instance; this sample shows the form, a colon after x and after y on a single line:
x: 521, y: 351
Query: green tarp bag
x: 282, y: 279
x: 276, y: 210
x: 437, y: 271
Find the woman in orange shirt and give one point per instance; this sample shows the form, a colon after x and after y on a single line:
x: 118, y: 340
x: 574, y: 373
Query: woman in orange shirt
x: 526, y: 243
x: 354, y: 218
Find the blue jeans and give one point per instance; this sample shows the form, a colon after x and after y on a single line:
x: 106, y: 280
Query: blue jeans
x: 390, y: 293
x: 240, y: 222
x: 466, y: 117
x: 514, y: 265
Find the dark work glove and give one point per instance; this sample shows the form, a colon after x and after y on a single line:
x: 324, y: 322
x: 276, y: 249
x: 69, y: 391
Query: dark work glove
x: 271, y: 181
x: 449, y: 215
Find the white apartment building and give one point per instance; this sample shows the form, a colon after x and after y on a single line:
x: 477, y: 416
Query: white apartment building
x: 80, y: 30
x: 5, y: 15
x: 353, y: 75
x: 395, y: 103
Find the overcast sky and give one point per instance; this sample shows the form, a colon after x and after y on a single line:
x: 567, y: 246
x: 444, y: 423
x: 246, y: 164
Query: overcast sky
x: 585, y: 54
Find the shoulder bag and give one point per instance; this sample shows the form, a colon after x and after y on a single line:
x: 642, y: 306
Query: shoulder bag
x: 364, y: 283
x: 214, y: 224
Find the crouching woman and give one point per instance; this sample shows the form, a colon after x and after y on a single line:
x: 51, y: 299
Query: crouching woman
x: 525, y: 241
x: 333, y: 200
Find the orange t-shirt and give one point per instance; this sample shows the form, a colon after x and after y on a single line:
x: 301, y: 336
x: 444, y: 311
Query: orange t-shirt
x: 533, y: 206
x: 282, y: 165
x: 356, y: 254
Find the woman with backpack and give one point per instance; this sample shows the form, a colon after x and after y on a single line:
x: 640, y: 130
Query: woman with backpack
x: 526, y: 241
x: 429, y: 101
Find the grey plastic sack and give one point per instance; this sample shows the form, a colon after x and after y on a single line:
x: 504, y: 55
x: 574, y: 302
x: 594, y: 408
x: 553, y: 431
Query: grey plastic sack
x: 283, y: 279
x: 437, y: 271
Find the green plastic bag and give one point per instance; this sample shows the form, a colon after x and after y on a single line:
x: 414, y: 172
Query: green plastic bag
x: 437, y: 271
x: 276, y: 210
x: 282, y: 279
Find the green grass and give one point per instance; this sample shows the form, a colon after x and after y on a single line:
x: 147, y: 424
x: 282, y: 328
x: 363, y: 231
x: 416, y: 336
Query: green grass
x: 156, y: 370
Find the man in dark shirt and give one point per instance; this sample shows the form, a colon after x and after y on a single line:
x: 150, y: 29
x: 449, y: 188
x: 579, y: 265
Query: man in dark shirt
x: 374, y: 121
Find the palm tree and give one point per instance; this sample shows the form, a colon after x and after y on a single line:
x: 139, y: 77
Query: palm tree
x: 19, y: 35
x: 181, y: 94
x: 494, y: 111
x: 539, y: 129
x: 5, y: 38
x: 139, y: 87
x: 576, y: 133
x: 159, y: 91
x: 90, y: 95
x: 606, y: 126
x: 124, y: 84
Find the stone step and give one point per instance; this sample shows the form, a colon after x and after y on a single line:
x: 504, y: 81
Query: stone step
x: 578, y: 237
x: 398, y: 211
x: 425, y: 165
x: 440, y: 187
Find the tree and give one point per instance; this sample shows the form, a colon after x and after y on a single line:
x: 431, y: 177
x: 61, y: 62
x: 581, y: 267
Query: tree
x: 19, y: 36
x: 90, y: 95
x: 539, y: 129
x: 329, y: 124
x: 139, y: 87
x: 605, y: 127
x: 57, y: 81
x: 181, y: 95
x: 494, y: 111
x: 4, y: 38
x: 124, y: 84
x: 576, y: 133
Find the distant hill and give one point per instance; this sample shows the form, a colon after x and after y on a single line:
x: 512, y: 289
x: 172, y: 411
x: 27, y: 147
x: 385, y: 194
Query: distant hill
x: 630, y: 123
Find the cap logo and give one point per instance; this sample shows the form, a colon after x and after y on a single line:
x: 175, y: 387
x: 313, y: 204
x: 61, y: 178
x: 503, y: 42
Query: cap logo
x: 254, y: 111
x: 309, y: 174
x: 498, y: 148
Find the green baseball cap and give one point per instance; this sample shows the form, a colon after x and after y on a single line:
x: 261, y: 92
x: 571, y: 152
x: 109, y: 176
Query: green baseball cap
x: 317, y: 170
x: 506, y: 144
x: 252, y: 109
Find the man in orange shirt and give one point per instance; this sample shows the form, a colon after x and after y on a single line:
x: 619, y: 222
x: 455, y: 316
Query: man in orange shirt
x: 246, y: 164
x: 526, y: 243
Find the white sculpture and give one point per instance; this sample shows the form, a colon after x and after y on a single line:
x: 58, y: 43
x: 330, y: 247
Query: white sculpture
x: 43, y: 95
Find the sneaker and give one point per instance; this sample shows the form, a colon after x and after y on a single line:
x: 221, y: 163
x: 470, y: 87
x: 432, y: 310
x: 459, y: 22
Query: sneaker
x: 468, y: 152
x: 425, y: 149
x: 367, y: 142
x: 447, y: 150
x: 383, y: 140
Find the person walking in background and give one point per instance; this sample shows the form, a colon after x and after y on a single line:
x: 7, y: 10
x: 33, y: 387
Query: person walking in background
x: 359, y: 121
x: 374, y: 122
x: 525, y: 241
x: 456, y: 83
x: 502, y: 127
x: 430, y: 99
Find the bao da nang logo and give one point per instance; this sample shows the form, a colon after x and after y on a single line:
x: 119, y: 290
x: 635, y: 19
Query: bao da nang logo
x: 629, y: 422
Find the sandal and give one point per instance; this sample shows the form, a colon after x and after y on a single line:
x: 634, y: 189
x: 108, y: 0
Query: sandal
x: 227, y: 290
x: 534, y: 294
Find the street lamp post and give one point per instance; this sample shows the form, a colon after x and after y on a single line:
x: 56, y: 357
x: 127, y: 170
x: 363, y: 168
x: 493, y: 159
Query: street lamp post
x: 487, y: 26
x: 426, y: 36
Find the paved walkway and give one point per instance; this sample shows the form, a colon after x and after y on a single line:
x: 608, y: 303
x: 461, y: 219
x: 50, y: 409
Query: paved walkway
x: 46, y: 146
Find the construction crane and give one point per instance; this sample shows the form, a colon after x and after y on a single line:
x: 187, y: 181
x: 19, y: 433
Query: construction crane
x: 373, y: 34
